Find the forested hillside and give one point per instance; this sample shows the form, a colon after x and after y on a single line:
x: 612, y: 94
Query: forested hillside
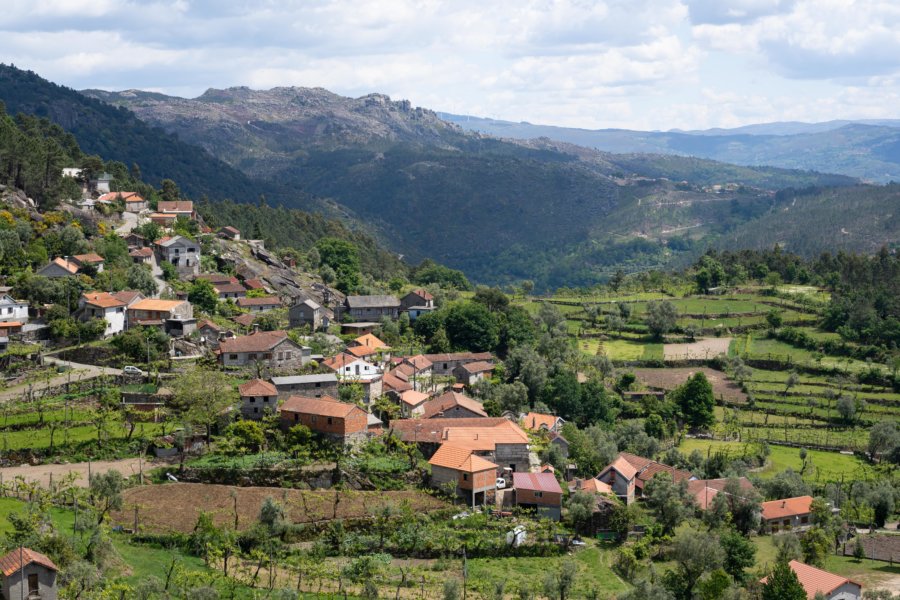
x: 117, y: 134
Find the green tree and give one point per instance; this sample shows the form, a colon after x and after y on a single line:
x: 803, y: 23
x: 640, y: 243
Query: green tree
x: 884, y: 439
x: 141, y: 279
x: 660, y: 318
x: 559, y: 583
x: 204, y: 397
x: 106, y: 493
x: 815, y: 544
x: 169, y: 191
x: 774, y: 319
x: 470, y: 326
x: 668, y: 501
x: 202, y: 295
x: 695, y: 553
x: 696, y: 402
x: 783, y: 584
x: 738, y: 554
x: 343, y: 257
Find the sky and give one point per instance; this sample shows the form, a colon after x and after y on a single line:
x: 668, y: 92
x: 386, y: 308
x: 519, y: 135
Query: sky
x: 637, y: 64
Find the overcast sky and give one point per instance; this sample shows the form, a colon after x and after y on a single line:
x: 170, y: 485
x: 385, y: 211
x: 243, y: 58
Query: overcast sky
x: 642, y: 64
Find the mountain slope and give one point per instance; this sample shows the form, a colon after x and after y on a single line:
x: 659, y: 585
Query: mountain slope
x: 501, y: 211
x: 866, y: 149
x: 117, y: 134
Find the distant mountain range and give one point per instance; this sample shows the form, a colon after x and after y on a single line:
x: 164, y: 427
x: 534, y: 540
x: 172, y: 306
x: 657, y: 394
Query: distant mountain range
x: 867, y: 149
x: 502, y: 210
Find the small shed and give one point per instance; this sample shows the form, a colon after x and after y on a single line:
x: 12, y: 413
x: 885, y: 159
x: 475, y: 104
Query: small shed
x: 28, y: 574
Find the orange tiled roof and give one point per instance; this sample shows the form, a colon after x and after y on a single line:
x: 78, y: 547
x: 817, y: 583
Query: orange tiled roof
x: 66, y: 264
x: 413, y: 398
x: 101, y: 299
x: 417, y: 362
x: 325, y: 406
x: 535, y: 421
x: 590, y: 485
x: 432, y: 430
x: 255, y: 342
x: 485, y: 438
x: 157, y: 304
x: 816, y: 580
x: 788, y: 507
x: 461, y: 459
x: 16, y: 559
x: 392, y: 382
x: 257, y: 387
x: 362, y: 351
x: 165, y: 206
x: 370, y: 341
x: 89, y: 258
x: 264, y: 301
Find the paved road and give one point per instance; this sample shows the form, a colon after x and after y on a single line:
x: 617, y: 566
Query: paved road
x: 42, y: 473
x: 79, y: 372
x: 131, y: 221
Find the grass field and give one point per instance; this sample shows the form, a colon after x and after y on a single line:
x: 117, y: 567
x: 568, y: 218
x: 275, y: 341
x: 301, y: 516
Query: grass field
x: 627, y: 350
x: 825, y: 466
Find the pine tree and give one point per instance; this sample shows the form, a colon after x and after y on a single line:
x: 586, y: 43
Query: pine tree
x: 783, y: 584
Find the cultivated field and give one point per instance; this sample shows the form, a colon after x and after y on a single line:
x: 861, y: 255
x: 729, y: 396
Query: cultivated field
x: 175, y: 507
x: 669, y: 379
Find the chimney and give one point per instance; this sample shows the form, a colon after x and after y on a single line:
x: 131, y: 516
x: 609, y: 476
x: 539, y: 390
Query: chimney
x: 783, y: 503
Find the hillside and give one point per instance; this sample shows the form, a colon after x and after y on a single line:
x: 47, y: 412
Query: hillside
x: 499, y: 210
x: 117, y: 134
x: 865, y: 149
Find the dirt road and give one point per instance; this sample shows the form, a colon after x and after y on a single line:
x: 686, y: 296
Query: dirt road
x: 42, y: 473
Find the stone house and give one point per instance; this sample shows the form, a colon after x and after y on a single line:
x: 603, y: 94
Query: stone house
x: 143, y: 256
x: 340, y: 422
x: 12, y: 309
x: 230, y: 290
x: 419, y: 298
x: 58, y: 267
x: 308, y: 312
x: 258, y: 397
x: 273, y: 349
x: 87, y: 262
x: 155, y: 312
x: 183, y: 253
x: 308, y: 386
x: 258, y: 305
x: 369, y: 308
x: 177, y: 208
x: 473, y: 372
x: 163, y: 220
x: 628, y: 474
x: 472, y: 477
x: 539, y: 421
x: 230, y: 233
x: 28, y: 574
x: 443, y: 364
x: 540, y: 492
x: 452, y: 405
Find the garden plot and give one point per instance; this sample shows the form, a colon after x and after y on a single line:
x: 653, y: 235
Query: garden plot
x: 175, y: 507
x: 704, y: 349
x: 669, y: 379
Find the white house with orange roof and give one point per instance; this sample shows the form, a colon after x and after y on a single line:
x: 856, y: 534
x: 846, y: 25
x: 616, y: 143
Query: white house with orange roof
x: 102, y: 305
x: 830, y: 585
x: 788, y: 513
x: 351, y: 370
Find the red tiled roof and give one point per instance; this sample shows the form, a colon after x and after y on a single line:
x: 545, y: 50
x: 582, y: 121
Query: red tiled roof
x: 535, y: 421
x: 16, y: 559
x: 254, y: 284
x: 470, y: 356
x: 370, y: 341
x: 89, y: 258
x: 484, y: 438
x: 257, y: 387
x: 417, y: 362
x: 67, y: 265
x: 339, y: 361
x: 215, y: 277
x: 422, y: 293
x: 361, y: 351
x: 432, y: 430
x: 655, y: 468
x: 623, y: 467
x: 481, y: 366
x: 210, y: 324
x: 392, y: 382
x: 230, y: 288
x: 165, y: 206
x: 255, y: 342
x: 451, y: 457
x: 449, y: 400
x: 590, y: 485
x: 101, y: 299
x: 245, y: 320
x: 413, y: 398
x: 326, y: 406
x: 265, y: 301
x: 141, y: 253
x: 539, y: 482
x: 156, y: 304
x: 231, y: 230
x: 816, y: 580
x: 127, y: 296
x: 112, y: 196
x: 788, y: 507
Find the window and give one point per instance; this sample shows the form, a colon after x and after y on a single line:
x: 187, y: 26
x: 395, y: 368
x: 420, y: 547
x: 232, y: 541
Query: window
x: 313, y: 418
x: 252, y: 356
x: 804, y: 520
x: 252, y: 400
x: 465, y: 476
x: 329, y: 421
x: 232, y: 357
x: 32, y: 583
x: 281, y: 356
x: 318, y: 384
x: 296, y: 417
x: 445, y: 365
x: 255, y: 410
x: 787, y: 522
x: 288, y: 355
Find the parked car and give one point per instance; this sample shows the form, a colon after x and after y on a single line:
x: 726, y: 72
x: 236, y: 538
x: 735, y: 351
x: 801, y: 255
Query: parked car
x: 501, y: 483
x: 132, y: 370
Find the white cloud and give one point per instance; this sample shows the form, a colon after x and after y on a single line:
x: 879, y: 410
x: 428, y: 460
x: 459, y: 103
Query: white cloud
x: 589, y: 63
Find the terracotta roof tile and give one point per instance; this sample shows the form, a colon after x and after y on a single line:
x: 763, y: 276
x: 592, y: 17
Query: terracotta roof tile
x: 16, y: 559
x: 370, y: 341
x: 461, y: 459
x: 449, y: 400
x: 102, y: 300
x: 326, y: 406
x: 432, y: 430
x: 480, y: 366
x: 245, y: 320
x: 165, y: 206
x: 156, y: 304
x: 536, y: 421
x: 68, y: 265
x: 412, y: 398
x: 90, y: 258
x: 265, y: 301
x: 255, y: 342
x: 788, y: 507
x: 539, y: 482
x: 257, y: 387
x: 361, y: 351
x: 816, y: 580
